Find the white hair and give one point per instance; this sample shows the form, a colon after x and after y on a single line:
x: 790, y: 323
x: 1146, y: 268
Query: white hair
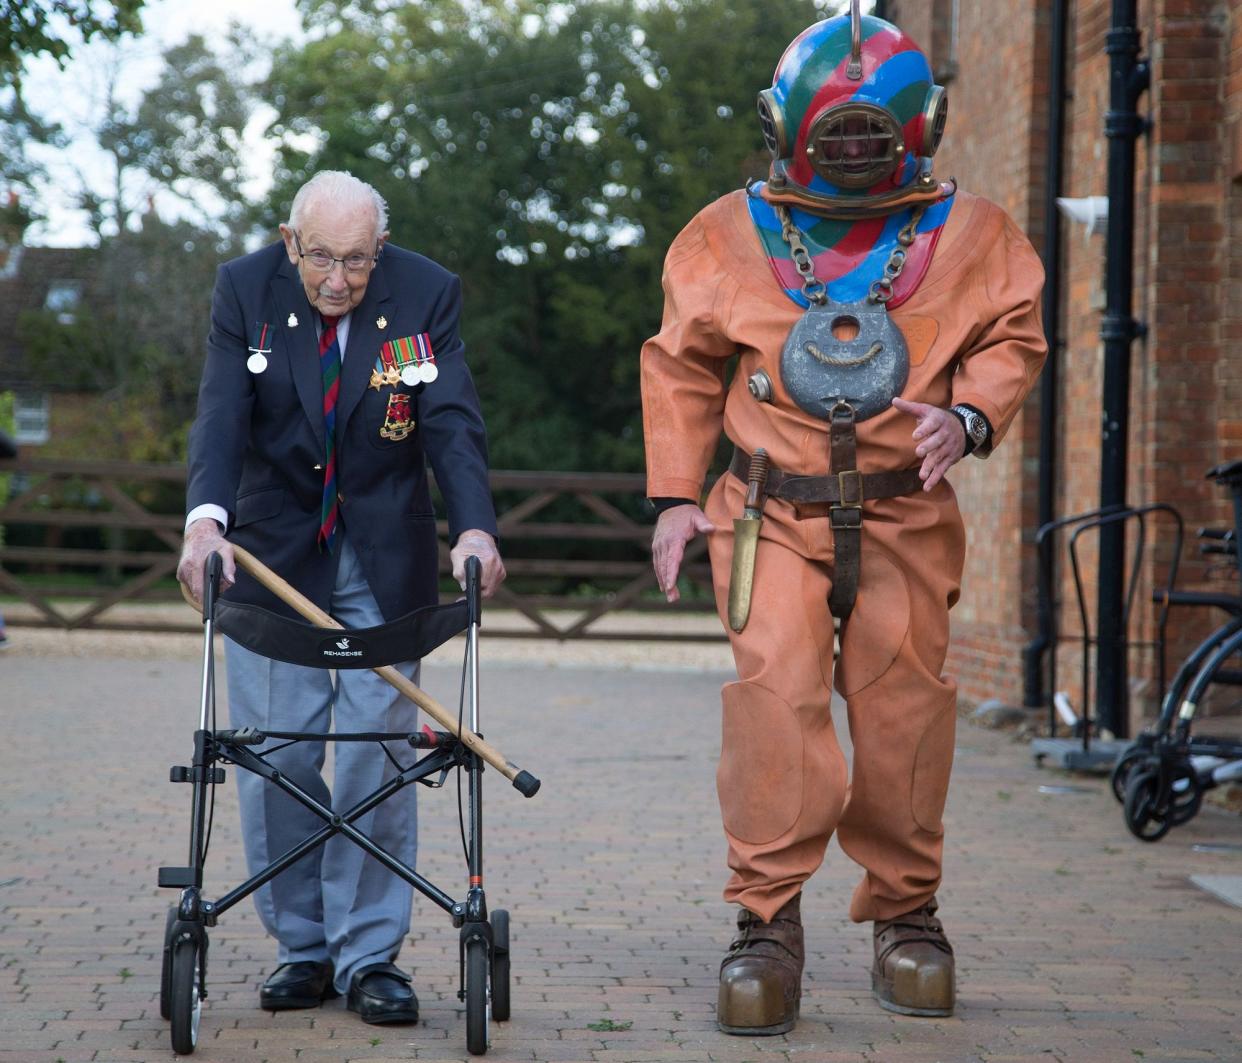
x: 342, y: 188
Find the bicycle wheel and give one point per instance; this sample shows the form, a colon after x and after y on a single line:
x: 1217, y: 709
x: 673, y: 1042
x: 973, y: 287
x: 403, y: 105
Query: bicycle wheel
x: 476, y: 996
x: 166, y: 964
x: 185, y: 996
x: 1146, y: 809
x: 500, y: 965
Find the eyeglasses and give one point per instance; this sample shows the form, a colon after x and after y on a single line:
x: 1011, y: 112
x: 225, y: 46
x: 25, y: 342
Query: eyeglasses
x: 325, y: 262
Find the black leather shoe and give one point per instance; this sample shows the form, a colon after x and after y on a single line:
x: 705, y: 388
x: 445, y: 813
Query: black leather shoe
x: 297, y: 985
x: 381, y: 993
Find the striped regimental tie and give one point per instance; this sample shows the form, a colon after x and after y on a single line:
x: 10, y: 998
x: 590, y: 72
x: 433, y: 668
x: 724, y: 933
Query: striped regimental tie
x: 330, y: 366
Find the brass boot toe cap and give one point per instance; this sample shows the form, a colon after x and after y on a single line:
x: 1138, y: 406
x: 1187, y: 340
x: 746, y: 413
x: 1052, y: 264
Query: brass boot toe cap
x: 757, y: 998
x: 920, y: 980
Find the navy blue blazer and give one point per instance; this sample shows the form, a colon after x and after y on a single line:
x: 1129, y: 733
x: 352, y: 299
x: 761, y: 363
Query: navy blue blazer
x: 257, y: 443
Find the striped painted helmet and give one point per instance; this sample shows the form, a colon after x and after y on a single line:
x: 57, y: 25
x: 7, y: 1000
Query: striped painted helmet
x: 852, y: 112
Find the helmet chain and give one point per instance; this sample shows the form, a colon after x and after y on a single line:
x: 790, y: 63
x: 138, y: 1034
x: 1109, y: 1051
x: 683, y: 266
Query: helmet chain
x: 816, y: 291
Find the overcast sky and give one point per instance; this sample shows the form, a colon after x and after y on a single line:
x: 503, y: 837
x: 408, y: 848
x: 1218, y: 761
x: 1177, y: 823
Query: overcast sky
x: 73, y: 96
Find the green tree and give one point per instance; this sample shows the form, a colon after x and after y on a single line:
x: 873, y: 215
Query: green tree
x: 38, y: 27
x: 548, y: 153
x: 137, y: 338
x: 184, y: 138
x: 21, y: 177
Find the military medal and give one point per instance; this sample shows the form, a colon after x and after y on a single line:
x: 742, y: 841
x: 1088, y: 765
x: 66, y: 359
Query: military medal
x: 385, y: 371
x: 410, y: 359
x: 398, y: 423
x: 257, y: 362
x: 427, y: 370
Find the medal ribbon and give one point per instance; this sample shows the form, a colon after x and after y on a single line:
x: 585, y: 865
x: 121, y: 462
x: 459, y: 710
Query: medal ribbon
x: 409, y: 350
x: 260, y: 338
x: 330, y: 367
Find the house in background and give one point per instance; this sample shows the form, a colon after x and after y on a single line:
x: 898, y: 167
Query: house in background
x: 55, y: 280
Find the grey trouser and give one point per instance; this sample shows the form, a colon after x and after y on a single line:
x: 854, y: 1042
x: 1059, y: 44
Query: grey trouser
x: 337, y: 903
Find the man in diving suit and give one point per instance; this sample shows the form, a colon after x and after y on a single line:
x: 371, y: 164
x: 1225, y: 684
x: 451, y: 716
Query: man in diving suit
x: 922, y: 305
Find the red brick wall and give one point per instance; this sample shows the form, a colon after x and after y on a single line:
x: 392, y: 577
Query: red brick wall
x: 1186, y: 376
x: 994, y: 46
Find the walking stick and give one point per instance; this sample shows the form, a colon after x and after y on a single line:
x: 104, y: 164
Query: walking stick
x: 523, y: 781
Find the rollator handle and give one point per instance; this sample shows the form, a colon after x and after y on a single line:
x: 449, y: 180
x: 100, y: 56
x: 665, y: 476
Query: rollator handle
x: 213, y: 568
x: 474, y: 589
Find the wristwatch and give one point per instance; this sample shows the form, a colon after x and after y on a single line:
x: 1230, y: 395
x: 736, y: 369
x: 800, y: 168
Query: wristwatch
x: 975, y: 424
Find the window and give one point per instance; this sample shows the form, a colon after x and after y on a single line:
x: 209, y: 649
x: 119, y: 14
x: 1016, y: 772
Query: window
x: 62, y: 299
x: 31, y: 415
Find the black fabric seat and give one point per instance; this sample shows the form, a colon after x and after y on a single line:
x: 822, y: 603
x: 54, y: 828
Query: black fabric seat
x: 408, y: 638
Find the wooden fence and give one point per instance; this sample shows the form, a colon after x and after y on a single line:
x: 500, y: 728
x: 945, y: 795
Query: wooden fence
x: 82, y: 538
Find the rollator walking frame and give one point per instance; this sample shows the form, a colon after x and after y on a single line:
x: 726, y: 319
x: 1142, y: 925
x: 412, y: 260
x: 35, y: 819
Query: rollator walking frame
x: 484, y: 941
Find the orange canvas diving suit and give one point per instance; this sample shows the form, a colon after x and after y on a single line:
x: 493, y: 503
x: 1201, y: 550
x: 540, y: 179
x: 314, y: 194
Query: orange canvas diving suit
x: 974, y: 336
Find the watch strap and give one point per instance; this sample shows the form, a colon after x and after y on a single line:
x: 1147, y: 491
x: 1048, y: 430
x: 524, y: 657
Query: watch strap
x: 966, y: 414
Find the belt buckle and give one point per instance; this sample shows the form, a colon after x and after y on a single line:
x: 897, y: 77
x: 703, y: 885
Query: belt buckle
x: 847, y: 511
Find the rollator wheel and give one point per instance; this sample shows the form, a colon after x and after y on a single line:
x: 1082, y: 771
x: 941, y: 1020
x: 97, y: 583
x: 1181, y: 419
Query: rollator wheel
x: 476, y: 996
x: 166, y: 965
x: 1187, y: 795
x: 500, y: 965
x: 1147, y: 820
x: 185, y: 996
x: 1122, y: 770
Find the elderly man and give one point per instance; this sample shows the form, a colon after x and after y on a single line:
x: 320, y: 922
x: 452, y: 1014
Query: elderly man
x: 334, y: 372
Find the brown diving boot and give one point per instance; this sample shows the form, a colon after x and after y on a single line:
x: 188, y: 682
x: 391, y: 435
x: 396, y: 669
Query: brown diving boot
x: 913, y: 972
x: 761, y: 974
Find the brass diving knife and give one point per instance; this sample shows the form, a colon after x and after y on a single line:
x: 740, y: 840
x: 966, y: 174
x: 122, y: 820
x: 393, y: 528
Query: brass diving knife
x: 746, y: 541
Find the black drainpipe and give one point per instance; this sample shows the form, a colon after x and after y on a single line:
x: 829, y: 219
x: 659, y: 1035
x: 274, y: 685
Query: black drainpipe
x: 1035, y: 650
x: 1129, y: 77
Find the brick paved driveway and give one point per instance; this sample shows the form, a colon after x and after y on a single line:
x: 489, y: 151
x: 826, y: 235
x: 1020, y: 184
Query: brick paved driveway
x: 1075, y: 942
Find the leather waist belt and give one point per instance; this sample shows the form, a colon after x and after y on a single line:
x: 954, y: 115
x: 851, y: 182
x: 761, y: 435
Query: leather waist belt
x: 844, y: 491
x: 848, y: 489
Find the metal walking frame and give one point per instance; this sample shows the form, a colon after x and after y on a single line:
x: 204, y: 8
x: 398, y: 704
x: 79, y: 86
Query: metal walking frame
x: 484, y: 940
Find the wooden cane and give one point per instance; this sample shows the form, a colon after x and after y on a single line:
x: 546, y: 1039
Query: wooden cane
x: 523, y: 781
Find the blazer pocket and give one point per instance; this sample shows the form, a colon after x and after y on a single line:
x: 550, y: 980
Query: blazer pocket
x: 259, y: 505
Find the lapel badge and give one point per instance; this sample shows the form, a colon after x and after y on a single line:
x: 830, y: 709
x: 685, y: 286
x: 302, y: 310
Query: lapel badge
x: 293, y: 321
x: 381, y: 322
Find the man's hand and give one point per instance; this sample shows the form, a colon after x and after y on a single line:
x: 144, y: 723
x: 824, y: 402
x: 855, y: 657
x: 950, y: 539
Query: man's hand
x: 939, y: 437
x: 675, y: 528
x: 476, y: 543
x: 201, y: 538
